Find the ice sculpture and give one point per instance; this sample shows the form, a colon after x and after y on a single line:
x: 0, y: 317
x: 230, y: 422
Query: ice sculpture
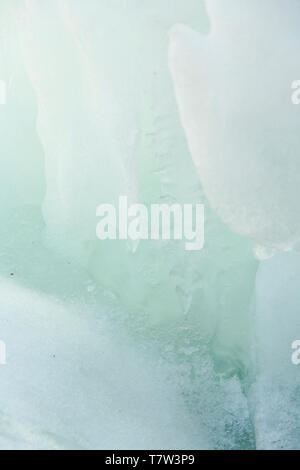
x: 233, y: 88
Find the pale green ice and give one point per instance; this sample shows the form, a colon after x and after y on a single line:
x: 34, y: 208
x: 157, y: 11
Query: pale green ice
x: 114, y: 345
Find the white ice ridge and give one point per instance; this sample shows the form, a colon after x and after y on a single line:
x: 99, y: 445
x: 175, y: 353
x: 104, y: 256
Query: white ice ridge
x: 233, y: 88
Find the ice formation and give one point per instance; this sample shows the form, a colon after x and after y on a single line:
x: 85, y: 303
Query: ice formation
x: 275, y: 394
x: 116, y: 344
x: 233, y: 88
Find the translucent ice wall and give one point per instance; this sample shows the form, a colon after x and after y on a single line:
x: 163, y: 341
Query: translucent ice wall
x: 233, y: 88
x: 121, y: 345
